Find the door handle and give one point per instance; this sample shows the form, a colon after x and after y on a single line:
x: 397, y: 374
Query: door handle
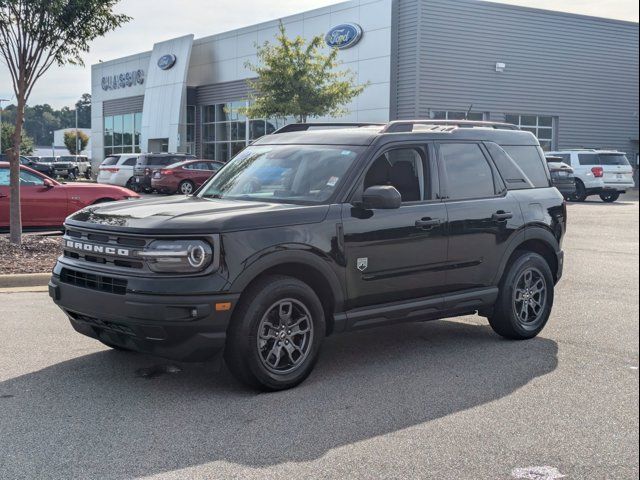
x: 501, y: 215
x: 428, y: 223
x: 2, y: 195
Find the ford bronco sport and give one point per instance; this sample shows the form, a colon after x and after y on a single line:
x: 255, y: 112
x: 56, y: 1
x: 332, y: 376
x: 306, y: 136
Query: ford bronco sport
x: 310, y: 232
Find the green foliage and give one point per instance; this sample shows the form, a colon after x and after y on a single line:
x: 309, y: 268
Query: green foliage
x: 41, y: 120
x: 6, y: 132
x: 70, y: 141
x: 295, y: 79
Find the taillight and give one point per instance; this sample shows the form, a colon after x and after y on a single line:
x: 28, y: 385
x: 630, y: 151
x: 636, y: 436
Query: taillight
x: 166, y: 172
x: 598, y: 172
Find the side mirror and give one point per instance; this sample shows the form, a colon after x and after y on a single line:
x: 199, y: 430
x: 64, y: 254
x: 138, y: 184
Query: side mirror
x: 48, y: 183
x: 381, y: 196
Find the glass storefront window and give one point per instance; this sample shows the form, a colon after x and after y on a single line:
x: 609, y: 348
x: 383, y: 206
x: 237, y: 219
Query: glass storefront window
x: 224, y: 130
x: 122, y: 133
x: 540, y: 126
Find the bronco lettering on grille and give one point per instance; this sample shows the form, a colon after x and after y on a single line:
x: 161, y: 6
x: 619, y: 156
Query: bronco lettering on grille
x: 88, y: 247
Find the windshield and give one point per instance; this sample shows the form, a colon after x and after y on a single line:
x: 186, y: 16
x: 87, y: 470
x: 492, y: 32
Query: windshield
x: 613, y: 159
x: 287, y: 173
x: 47, y: 159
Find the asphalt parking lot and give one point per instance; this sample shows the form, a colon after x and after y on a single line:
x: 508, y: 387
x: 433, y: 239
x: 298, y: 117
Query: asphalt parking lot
x: 440, y: 400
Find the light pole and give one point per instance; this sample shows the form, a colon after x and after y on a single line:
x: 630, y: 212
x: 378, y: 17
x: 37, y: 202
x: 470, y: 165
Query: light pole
x: 77, y: 152
x: 1, y: 100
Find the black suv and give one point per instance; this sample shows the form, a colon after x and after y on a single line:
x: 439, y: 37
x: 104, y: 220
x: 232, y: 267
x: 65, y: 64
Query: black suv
x: 147, y: 163
x: 310, y: 232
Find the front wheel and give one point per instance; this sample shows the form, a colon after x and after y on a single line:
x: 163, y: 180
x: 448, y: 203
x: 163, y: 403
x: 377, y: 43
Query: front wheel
x: 275, y: 334
x: 609, y: 197
x: 525, y: 299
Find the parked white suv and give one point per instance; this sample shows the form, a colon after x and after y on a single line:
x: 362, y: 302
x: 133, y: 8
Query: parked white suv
x: 72, y: 166
x: 118, y: 169
x: 606, y: 173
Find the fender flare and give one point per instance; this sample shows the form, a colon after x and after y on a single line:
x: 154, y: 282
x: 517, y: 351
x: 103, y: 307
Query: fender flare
x: 529, y: 233
x: 300, y: 254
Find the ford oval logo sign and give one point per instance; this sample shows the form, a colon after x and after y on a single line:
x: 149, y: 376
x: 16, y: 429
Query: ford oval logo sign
x: 344, y: 36
x: 167, y: 61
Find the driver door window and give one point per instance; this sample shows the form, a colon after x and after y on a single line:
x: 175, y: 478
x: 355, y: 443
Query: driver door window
x: 402, y: 168
x: 28, y: 179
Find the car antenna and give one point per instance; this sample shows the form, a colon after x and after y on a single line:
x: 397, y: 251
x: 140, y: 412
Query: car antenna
x: 466, y: 115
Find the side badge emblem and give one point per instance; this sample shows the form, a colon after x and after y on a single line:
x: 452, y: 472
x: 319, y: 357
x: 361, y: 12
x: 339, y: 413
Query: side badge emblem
x: 362, y: 264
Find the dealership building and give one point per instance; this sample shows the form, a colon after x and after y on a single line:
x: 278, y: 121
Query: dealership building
x: 570, y: 79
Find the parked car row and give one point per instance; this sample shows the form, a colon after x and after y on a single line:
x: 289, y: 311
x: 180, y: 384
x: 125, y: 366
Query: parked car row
x: 162, y: 172
x: 46, y: 203
x: 64, y: 166
x: 606, y: 173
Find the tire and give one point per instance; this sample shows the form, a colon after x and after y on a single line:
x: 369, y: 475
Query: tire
x: 186, y: 187
x: 130, y: 185
x: 507, y: 318
x: 87, y: 174
x: 581, y: 192
x: 609, y: 197
x: 264, y: 363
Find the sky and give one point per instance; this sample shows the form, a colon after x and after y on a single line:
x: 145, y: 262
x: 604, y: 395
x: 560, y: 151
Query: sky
x: 158, y: 20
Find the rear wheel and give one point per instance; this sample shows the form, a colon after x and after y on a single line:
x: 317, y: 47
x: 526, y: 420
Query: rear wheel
x: 526, y: 297
x: 186, y: 187
x: 131, y: 185
x: 275, y: 335
x: 610, y: 197
x: 581, y: 192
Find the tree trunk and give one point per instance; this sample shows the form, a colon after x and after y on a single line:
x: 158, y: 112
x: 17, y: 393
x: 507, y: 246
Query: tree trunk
x: 15, y: 222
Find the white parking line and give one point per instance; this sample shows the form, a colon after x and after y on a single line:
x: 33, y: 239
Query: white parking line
x: 537, y: 473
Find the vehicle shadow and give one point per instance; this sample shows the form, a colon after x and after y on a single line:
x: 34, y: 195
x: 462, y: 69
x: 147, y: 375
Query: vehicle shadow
x: 600, y: 203
x: 96, y: 417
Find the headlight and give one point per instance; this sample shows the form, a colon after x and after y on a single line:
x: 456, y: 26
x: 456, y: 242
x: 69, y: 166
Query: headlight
x: 177, y: 256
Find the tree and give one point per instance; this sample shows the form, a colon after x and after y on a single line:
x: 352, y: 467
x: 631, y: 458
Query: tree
x: 70, y: 141
x: 295, y: 79
x: 35, y: 34
x: 26, y: 143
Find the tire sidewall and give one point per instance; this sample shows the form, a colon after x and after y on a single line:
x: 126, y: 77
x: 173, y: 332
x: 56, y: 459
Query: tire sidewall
x: 523, y: 262
x: 248, y: 330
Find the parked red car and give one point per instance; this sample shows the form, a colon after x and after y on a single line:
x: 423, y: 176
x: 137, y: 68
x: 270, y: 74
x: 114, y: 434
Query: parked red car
x: 46, y: 203
x: 184, y: 177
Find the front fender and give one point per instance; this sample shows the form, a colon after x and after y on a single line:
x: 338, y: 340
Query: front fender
x: 303, y: 255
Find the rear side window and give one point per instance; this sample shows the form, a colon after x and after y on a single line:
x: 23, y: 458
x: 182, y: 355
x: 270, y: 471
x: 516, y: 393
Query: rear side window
x: 531, y: 160
x: 467, y: 171
x: 110, y: 161
x: 130, y: 162
x: 588, y: 159
x: 513, y: 176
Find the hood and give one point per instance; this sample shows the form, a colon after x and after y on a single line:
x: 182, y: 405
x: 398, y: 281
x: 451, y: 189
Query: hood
x: 194, y: 215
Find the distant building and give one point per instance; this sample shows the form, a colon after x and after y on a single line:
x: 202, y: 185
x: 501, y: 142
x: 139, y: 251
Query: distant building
x: 572, y: 80
x: 58, y: 147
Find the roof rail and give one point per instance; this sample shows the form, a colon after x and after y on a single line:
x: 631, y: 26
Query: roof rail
x: 407, y: 125
x: 302, y: 127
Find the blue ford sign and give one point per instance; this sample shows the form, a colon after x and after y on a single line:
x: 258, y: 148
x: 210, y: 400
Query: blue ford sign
x: 344, y: 36
x: 167, y: 61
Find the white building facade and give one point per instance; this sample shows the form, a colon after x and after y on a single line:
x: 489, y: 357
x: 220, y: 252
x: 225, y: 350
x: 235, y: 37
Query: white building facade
x: 570, y: 79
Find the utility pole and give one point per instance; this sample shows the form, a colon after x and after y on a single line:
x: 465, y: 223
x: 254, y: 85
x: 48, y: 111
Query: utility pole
x: 1, y: 100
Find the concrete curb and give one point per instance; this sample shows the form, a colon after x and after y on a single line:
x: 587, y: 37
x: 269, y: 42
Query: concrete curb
x: 24, y: 280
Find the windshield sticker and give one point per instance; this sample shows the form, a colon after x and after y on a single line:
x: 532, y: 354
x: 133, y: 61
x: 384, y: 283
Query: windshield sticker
x: 332, y: 182
x: 346, y: 152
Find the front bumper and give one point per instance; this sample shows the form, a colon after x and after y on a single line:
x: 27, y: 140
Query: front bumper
x: 180, y: 327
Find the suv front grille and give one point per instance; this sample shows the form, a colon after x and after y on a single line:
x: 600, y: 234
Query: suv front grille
x: 106, y: 240
x: 94, y: 282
